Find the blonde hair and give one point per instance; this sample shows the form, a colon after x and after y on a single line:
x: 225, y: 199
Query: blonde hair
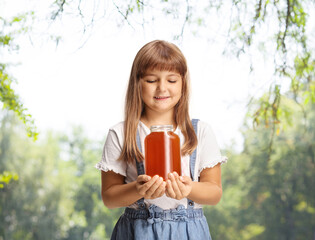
x: 162, y: 56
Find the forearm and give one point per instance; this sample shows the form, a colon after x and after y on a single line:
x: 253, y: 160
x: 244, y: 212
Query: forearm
x: 205, y: 193
x: 120, y: 195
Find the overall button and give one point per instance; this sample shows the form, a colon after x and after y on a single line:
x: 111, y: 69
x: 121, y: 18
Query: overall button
x: 191, y: 203
x: 142, y: 205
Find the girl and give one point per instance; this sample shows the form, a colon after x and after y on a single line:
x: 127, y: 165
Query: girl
x: 158, y: 93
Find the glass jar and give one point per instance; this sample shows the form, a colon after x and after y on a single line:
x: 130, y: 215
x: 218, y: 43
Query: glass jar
x: 162, y: 151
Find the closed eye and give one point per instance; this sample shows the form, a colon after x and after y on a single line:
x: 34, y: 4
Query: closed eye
x: 151, y: 81
x: 172, y: 81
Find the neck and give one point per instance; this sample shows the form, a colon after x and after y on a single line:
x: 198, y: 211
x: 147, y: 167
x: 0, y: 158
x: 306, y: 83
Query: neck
x: 153, y: 118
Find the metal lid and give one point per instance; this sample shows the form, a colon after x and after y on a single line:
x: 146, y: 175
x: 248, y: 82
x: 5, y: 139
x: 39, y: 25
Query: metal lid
x: 161, y: 128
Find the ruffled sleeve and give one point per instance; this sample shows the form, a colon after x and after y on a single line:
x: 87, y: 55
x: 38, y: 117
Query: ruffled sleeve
x: 111, y: 153
x: 209, y: 150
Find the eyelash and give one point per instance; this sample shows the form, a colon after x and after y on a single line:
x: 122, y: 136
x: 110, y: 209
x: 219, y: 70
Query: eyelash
x: 153, y: 81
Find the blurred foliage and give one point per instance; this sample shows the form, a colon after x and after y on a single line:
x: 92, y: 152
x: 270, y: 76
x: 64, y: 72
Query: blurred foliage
x: 269, y: 195
x: 58, y: 192
x: 9, y: 30
x: 6, y: 177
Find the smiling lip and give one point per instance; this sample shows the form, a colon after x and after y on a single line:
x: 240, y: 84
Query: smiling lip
x: 161, y: 98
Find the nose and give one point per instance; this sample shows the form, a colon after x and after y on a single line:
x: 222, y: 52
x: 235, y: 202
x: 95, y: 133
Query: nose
x: 162, y: 85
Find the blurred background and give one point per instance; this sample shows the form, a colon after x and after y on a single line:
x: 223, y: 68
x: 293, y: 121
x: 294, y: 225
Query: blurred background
x: 64, y: 68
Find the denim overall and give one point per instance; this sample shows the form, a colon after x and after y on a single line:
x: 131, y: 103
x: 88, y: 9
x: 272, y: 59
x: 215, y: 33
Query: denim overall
x: 156, y: 223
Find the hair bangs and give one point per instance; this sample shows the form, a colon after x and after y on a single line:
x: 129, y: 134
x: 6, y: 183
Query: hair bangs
x: 162, y: 58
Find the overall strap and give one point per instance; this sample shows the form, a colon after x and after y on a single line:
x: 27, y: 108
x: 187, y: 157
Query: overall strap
x: 140, y: 167
x: 140, y: 171
x: 194, y: 154
x: 190, y: 203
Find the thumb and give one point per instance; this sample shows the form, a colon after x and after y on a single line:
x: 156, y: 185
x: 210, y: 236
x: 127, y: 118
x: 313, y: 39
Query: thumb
x: 143, y: 178
x: 184, y: 179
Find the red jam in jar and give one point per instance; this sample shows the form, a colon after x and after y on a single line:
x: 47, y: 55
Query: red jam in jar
x: 162, y: 151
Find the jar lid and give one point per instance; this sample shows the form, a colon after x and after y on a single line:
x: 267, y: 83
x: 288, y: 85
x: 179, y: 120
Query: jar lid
x: 161, y: 128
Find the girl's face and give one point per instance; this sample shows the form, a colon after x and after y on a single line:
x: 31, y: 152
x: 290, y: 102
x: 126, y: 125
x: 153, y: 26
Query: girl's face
x: 161, y: 90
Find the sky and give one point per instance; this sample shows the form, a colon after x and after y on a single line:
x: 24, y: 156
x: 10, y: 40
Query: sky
x: 83, y: 80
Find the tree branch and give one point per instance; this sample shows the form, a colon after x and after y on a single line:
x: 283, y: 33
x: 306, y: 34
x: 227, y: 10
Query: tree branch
x: 60, y: 9
x: 186, y: 18
x: 125, y: 16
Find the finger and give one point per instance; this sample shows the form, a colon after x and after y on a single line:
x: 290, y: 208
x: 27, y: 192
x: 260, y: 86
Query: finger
x: 182, y: 179
x: 143, y: 178
x: 159, y: 191
x: 181, y: 186
x: 169, y: 189
x: 144, y: 187
x: 153, y: 187
x: 175, y: 175
x: 179, y: 180
x: 166, y: 193
x: 175, y: 186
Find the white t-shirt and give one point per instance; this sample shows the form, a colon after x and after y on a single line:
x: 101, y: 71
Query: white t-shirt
x: 208, y: 155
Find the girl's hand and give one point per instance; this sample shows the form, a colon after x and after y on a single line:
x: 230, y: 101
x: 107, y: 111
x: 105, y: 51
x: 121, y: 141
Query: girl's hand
x: 150, y: 188
x: 178, y: 187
